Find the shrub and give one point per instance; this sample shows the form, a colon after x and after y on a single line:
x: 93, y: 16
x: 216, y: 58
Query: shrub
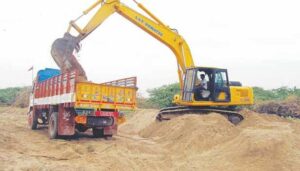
x: 163, y: 96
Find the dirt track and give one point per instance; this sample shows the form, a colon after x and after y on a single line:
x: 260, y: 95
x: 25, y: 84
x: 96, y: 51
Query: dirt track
x: 260, y: 142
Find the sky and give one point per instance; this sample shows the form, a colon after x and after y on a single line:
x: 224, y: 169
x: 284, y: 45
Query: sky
x: 258, y: 41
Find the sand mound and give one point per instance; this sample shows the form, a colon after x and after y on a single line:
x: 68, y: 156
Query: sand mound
x: 141, y: 119
x: 210, y: 142
x: 22, y: 98
x: 189, y: 142
x: 191, y: 132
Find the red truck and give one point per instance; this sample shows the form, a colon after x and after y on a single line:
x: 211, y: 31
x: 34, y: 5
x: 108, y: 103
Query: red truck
x: 66, y: 104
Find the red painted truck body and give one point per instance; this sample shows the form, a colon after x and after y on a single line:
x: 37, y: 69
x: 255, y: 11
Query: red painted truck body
x: 67, y: 104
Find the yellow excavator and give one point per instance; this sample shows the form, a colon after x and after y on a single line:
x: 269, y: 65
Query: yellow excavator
x: 203, y: 89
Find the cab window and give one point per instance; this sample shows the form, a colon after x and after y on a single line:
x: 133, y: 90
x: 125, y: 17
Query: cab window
x: 221, y: 79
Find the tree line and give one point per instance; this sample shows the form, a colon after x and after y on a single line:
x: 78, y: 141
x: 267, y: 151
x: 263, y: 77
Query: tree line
x: 158, y: 97
x: 162, y: 96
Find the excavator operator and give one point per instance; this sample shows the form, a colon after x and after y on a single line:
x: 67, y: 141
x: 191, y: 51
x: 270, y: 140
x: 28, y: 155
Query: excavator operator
x: 201, y: 91
x: 203, y: 83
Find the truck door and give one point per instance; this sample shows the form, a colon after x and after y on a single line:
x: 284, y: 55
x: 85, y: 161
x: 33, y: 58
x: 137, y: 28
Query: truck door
x: 221, y: 89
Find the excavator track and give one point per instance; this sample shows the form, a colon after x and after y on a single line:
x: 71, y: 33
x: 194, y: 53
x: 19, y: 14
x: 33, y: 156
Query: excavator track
x: 167, y: 113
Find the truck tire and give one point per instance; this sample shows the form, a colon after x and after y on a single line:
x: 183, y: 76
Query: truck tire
x: 53, y: 125
x: 108, y: 137
x: 97, y: 133
x: 32, y: 120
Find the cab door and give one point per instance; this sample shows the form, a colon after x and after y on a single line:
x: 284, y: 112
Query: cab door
x: 188, y: 86
x: 221, y: 90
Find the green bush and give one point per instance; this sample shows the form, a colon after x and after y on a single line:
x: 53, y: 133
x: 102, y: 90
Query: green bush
x: 281, y: 93
x: 8, y: 95
x: 163, y: 96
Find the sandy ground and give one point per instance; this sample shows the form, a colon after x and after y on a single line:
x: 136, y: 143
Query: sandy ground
x: 190, y: 142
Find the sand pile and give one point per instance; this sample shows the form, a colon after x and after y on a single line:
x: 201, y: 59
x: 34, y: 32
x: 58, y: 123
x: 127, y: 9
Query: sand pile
x: 191, y: 132
x: 22, y: 99
x: 210, y: 142
x: 189, y: 142
x: 141, y: 119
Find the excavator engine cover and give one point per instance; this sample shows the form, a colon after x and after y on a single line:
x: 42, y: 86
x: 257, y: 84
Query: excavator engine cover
x: 62, y: 53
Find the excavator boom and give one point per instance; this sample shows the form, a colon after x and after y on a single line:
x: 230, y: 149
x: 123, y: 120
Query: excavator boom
x: 62, y: 49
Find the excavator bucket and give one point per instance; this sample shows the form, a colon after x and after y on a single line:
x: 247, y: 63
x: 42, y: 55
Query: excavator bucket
x: 62, y: 52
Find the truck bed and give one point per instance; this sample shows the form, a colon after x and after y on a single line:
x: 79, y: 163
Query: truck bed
x: 105, y: 95
x: 69, y: 90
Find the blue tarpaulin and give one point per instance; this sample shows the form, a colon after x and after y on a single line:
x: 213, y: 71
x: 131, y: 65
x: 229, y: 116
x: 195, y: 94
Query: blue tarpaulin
x: 47, y: 73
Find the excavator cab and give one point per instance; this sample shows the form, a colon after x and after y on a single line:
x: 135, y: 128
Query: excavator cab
x: 206, y: 84
x: 207, y: 90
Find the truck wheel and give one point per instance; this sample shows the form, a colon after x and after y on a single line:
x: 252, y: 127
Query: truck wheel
x: 108, y: 137
x: 32, y: 120
x: 53, y: 125
x: 97, y: 133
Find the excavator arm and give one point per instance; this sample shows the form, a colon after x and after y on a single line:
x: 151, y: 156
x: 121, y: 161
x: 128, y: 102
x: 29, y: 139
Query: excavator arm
x: 222, y: 94
x: 152, y: 25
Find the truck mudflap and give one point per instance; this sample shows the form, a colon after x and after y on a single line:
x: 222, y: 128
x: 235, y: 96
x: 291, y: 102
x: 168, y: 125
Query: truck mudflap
x: 111, y: 130
x: 66, y: 121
